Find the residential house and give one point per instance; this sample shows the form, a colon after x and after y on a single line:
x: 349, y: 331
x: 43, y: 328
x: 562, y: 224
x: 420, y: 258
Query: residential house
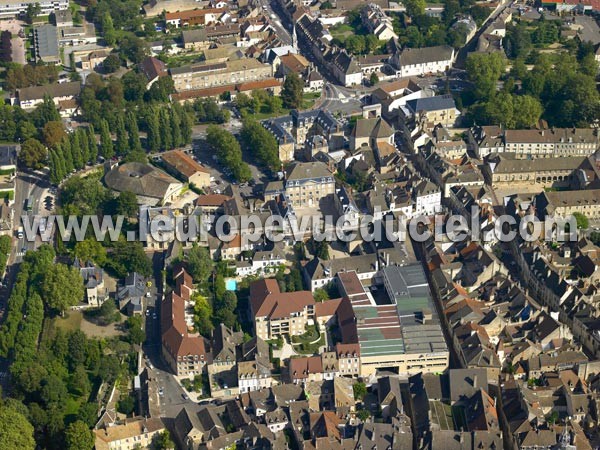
x: 410, y: 62
x: 308, y: 183
x: 276, y: 313
x: 254, y: 366
x: 377, y: 22
x: 431, y: 111
x: 134, y: 433
x: 221, y: 370
x: 130, y: 296
x: 153, y: 69
x: 63, y: 18
x: 195, y: 39
x: 93, y: 281
x: 93, y: 59
x: 206, y: 16
x: 183, y: 348
x: 305, y: 369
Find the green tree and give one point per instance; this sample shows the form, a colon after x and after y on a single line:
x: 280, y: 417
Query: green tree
x: 111, y: 63
x: 45, y: 112
x: 108, y: 30
x: 92, y: 144
x: 90, y: 250
x: 62, y: 288
x: 260, y: 142
x: 160, y: 90
x: 185, y: 122
x: 527, y: 111
x: 202, y: 315
x: 106, y: 143
x: 154, y: 133
x: 228, y: 150
x: 33, y: 154
x: 15, y: 430
x: 360, y: 390
x: 76, y: 153
x: 363, y: 414
x: 200, y: 263
x: 122, y: 138
x: 129, y: 257
x: 127, y: 204
x: 55, y: 173
x: 484, y: 70
x: 583, y: 222
x: 133, y: 131
x: 78, y: 436
x: 414, y: 8
x: 80, y: 383
x: 163, y: 441
x: 321, y: 295
x: 175, y: 128
x: 135, y: 332
x: 126, y: 406
x: 84, y: 144
x: 166, y: 132
x: 109, y: 312
x: 53, y: 133
x: 374, y: 79
x: 33, y: 10
x: 291, y: 93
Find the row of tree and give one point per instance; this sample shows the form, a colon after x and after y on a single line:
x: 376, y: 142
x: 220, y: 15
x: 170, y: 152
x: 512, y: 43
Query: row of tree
x: 72, y: 153
x: 19, y: 76
x: 261, y: 143
x: 229, y: 152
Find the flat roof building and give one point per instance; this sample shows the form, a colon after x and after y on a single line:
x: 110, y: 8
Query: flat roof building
x: 397, y: 330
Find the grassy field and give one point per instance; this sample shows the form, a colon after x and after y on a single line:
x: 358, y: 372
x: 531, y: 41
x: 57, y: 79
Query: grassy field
x: 341, y: 31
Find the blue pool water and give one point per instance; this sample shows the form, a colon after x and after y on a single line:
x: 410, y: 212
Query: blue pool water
x: 231, y: 284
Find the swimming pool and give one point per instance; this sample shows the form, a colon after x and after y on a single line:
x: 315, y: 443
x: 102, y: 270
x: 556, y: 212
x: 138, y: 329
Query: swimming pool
x: 231, y: 284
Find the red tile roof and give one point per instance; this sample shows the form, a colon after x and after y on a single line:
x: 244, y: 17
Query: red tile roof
x: 212, y: 200
x: 301, y: 367
x: 349, y: 350
x: 193, y: 13
x: 267, y: 300
x: 153, y: 68
x: 175, y: 338
x: 261, y: 84
x: 183, y: 163
x: 327, y: 308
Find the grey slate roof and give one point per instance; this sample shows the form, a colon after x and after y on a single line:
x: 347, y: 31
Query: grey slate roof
x: 436, y: 103
x: 139, y: 178
x: 46, y: 41
x: 413, y: 56
x: 72, y: 88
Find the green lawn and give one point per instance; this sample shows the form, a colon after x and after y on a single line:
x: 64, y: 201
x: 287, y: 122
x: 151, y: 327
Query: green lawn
x: 341, y: 31
x: 182, y: 60
x: 306, y: 344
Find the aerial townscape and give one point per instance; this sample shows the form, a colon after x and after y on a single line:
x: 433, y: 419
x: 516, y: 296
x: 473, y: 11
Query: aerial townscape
x: 127, y: 124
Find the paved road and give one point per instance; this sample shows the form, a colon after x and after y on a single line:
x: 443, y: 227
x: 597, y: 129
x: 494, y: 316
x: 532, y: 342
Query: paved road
x: 33, y: 186
x: 337, y: 99
x: 282, y: 33
x: 171, y: 401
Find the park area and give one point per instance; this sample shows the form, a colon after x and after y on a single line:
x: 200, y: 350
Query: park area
x: 309, y: 342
